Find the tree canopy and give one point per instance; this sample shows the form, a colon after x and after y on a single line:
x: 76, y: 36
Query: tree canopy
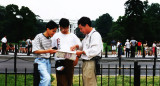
x: 18, y: 23
x: 140, y: 21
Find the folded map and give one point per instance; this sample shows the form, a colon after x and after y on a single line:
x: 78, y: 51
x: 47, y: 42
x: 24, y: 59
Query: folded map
x: 66, y: 54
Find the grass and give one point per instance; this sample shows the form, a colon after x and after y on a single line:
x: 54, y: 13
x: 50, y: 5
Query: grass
x: 29, y: 80
x: 20, y: 80
x: 119, y: 81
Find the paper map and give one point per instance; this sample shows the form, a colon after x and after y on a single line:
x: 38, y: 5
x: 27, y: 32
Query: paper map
x: 66, y: 54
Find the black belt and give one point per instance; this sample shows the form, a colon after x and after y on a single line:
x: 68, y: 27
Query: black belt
x: 87, y: 60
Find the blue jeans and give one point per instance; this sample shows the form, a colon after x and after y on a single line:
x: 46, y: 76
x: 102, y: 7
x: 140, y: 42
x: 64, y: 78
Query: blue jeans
x: 44, y: 67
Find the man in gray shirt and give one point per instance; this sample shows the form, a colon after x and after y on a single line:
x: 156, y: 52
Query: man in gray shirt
x: 133, y: 44
x: 41, y: 47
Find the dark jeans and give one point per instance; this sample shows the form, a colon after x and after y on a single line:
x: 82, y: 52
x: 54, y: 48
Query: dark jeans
x: 127, y: 52
x: 132, y: 51
x: 4, y: 48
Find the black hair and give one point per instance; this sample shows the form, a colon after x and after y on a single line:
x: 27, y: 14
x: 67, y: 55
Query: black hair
x: 51, y: 25
x: 84, y: 20
x: 64, y: 22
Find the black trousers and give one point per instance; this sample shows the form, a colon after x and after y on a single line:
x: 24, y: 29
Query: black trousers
x: 132, y: 51
x: 4, y: 49
x: 127, y: 52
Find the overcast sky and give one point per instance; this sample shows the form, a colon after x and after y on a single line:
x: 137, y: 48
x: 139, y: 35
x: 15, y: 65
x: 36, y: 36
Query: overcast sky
x: 73, y: 9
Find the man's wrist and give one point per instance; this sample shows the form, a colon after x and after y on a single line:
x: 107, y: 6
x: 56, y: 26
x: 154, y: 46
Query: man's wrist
x: 83, y: 52
x: 77, y: 46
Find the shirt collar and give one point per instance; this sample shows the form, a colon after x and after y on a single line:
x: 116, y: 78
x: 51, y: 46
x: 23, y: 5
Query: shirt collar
x: 91, y: 32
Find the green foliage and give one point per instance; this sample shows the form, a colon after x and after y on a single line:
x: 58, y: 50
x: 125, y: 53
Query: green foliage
x: 140, y: 21
x: 104, y: 24
x: 134, y: 8
x: 18, y: 24
x: 79, y: 33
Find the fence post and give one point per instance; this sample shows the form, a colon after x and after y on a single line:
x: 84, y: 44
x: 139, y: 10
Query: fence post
x: 15, y: 58
x: 106, y: 50
x: 119, y: 65
x: 119, y: 56
x: 79, y: 74
x: 136, y: 74
x: 36, y: 75
x: 156, y: 52
x: 154, y: 66
x: 144, y: 52
x: 28, y: 53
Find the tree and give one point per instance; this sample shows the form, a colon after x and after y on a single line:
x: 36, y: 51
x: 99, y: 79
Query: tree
x: 134, y: 8
x: 11, y: 25
x: 117, y: 32
x: 104, y: 24
x: 2, y: 19
x: 28, y: 23
x: 134, y: 12
x: 79, y: 33
x: 16, y: 28
x: 151, y: 22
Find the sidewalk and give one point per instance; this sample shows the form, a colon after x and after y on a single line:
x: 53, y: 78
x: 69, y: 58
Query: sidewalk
x: 109, y: 58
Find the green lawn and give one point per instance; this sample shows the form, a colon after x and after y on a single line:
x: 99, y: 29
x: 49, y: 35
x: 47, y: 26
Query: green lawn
x: 29, y: 81
x: 20, y: 80
x: 120, y: 81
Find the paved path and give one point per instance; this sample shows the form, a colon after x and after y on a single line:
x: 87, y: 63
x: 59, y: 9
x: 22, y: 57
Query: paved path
x: 24, y: 61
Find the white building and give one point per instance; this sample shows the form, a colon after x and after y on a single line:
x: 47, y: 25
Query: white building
x: 73, y: 24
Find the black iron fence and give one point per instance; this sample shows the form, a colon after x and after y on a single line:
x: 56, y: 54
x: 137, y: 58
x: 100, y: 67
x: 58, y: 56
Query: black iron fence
x: 109, y: 73
x: 133, y: 72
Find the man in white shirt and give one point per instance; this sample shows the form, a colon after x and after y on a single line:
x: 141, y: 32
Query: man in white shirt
x: 63, y: 41
x: 91, y: 47
x: 128, y: 45
x: 28, y: 46
x: 4, y: 45
x: 42, y: 49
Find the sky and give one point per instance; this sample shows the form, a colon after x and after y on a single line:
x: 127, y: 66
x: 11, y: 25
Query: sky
x: 73, y: 9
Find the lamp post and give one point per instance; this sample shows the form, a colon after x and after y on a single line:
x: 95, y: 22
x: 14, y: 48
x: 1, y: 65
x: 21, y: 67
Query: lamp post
x: 16, y: 48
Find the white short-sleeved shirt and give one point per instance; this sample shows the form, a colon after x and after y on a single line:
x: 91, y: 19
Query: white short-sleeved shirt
x: 40, y: 42
x: 64, y: 42
x: 128, y: 45
x: 28, y: 41
x: 4, y: 40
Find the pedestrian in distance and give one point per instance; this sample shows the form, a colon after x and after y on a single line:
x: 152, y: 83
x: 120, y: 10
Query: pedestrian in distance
x: 4, y: 45
x: 128, y: 45
x: 113, y: 47
x: 133, y: 45
x: 139, y: 45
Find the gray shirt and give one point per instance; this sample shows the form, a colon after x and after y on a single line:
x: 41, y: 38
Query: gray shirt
x: 40, y: 42
x: 133, y: 42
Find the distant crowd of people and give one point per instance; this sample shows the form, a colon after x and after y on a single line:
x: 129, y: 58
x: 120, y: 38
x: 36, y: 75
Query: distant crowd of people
x: 118, y: 49
x: 130, y: 46
x: 24, y: 46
